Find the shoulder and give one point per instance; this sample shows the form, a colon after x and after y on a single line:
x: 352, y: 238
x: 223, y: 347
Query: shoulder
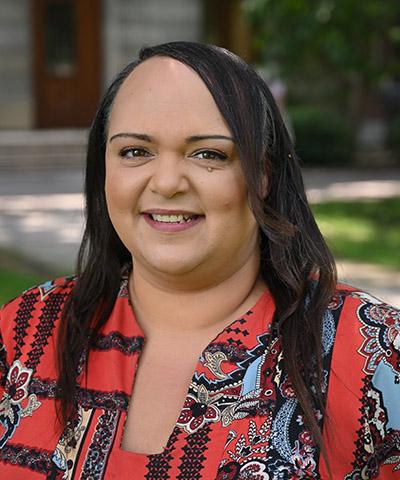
x: 364, y: 336
x: 369, y: 315
x: 372, y: 324
x: 43, y: 290
x: 359, y: 307
x: 40, y: 303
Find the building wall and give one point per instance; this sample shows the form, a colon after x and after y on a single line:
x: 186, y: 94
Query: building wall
x: 131, y: 24
x: 16, y: 103
x: 127, y: 25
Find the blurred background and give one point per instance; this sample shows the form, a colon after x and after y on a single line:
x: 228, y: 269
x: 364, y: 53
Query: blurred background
x: 332, y: 65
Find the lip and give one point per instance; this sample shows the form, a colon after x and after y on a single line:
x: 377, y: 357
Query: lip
x: 163, y: 211
x: 171, y: 227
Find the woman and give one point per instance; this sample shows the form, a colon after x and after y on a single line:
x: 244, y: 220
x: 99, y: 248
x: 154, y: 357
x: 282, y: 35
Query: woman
x: 223, y: 349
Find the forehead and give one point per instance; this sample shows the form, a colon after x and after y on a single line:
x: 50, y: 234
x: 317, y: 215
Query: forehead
x: 164, y: 92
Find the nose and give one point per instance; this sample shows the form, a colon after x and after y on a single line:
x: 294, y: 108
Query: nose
x: 168, y: 177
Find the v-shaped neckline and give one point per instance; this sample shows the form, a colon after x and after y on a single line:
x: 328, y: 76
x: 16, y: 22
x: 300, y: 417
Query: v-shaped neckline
x: 253, y: 322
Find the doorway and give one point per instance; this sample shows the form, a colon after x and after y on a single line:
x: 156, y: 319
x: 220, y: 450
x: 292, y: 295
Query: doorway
x: 66, y: 62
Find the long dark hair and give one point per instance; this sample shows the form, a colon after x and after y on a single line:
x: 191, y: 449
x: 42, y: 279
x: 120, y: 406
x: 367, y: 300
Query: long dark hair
x: 293, y: 250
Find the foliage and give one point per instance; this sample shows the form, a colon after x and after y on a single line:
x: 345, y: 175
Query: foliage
x: 351, y: 38
x: 323, y: 138
x: 335, y: 52
x: 362, y: 231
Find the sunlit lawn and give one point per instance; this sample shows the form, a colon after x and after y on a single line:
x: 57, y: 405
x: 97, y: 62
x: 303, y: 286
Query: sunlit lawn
x: 362, y: 231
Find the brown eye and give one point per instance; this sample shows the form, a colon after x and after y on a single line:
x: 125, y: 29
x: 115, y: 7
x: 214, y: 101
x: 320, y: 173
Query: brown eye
x: 210, y: 155
x: 134, y: 153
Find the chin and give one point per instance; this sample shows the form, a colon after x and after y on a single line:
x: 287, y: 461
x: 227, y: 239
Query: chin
x: 169, y: 264
x: 176, y: 267
x: 170, y: 259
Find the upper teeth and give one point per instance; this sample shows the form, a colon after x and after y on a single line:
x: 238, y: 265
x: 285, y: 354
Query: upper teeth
x: 171, y: 218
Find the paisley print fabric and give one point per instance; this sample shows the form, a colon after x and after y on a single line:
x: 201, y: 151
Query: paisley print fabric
x: 240, y: 419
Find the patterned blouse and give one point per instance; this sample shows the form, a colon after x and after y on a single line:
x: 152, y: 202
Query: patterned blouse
x: 240, y: 419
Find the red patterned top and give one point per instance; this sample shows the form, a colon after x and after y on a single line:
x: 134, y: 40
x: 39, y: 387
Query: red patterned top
x: 240, y: 419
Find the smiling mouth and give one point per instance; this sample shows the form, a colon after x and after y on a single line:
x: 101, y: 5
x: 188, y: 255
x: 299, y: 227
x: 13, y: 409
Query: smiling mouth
x: 173, y: 218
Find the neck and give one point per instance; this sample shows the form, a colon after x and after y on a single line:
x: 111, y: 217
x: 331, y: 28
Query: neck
x: 161, y: 310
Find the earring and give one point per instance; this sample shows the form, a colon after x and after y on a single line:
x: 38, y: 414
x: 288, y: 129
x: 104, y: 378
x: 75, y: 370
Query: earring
x: 210, y: 169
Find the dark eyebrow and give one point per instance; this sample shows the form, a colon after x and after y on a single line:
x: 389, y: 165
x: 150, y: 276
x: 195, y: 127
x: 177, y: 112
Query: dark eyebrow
x: 139, y: 136
x: 192, y: 139
x: 197, y: 138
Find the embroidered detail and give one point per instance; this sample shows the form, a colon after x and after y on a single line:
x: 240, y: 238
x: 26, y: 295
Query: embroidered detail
x: 3, y: 363
x: 16, y: 392
x: 254, y: 469
x: 393, y: 460
x: 117, y: 341
x: 35, y: 459
x: 87, y: 398
x: 245, y: 406
x: 192, y: 462
x: 159, y: 463
x: 100, y: 447
x: 247, y: 458
x: 290, y: 451
x: 281, y: 427
x: 60, y: 464
x: 228, y: 471
x: 369, y: 468
x: 66, y: 454
x: 376, y: 443
x: 22, y: 318
x: 213, y: 363
x: 50, y: 312
x: 328, y: 332
x: 43, y: 387
x: 336, y: 301
x: 112, y: 400
x: 381, y: 330
x: 251, y: 470
x: 257, y: 443
x: 46, y: 288
x: 123, y: 289
x: 17, y: 382
x: 248, y: 390
x: 199, y: 410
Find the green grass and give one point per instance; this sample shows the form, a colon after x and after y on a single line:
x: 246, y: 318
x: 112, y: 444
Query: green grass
x: 362, y: 231
x: 13, y: 283
x: 17, y: 273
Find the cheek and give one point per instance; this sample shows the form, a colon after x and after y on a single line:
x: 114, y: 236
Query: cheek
x: 114, y: 199
x: 120, y: 192
x: 111, y: 186
x: 233, y: 214
x: 233, y: 197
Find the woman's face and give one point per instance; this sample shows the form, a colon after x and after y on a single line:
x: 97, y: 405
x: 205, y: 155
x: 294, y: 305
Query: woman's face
x: 174, y: 185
